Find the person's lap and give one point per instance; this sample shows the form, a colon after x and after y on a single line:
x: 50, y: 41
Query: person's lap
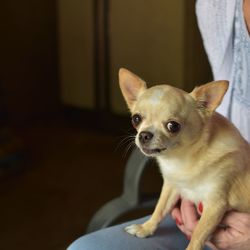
x: 167, y: 237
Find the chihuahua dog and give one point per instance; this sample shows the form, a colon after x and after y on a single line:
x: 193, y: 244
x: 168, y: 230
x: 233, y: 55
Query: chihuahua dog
x: 201, y: 155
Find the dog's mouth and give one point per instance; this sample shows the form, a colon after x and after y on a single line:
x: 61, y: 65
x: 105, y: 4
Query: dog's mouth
x: 152, y: 151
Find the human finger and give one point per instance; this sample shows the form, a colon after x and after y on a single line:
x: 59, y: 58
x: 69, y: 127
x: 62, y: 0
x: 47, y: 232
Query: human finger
x: 225, y: 238
x: 189, y: 215
x: 237, y: 220
x: 176, y: 215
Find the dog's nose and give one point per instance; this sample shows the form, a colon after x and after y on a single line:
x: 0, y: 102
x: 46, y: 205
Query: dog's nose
x: 145, y: 137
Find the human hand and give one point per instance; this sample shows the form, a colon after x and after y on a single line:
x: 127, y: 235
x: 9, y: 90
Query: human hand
x: 234, y: 235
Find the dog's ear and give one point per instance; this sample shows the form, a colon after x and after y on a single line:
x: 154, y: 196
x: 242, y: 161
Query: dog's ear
x: 210, y: 95
x: 131, y: 86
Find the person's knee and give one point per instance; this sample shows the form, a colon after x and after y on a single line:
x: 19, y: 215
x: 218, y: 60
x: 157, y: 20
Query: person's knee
x: 83, y: 243
x: 104, y: 239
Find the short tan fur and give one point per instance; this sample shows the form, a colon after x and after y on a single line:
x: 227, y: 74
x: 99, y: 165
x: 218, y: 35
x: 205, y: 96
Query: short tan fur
x: 202, y: 156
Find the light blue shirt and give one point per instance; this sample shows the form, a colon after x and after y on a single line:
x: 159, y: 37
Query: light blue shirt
x: 239, y: 108
x: 227, y: 43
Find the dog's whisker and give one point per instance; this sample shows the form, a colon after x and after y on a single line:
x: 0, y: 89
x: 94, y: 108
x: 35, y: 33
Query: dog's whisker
x: 128, y: 149
x: 124, y: 141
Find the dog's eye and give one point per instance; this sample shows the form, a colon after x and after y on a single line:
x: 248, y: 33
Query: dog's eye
x: 136, y: 120
x: 173, y: 127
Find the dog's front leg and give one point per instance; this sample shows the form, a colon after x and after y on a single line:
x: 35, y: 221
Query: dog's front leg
x: 211, y: 217
x: 167, y: 199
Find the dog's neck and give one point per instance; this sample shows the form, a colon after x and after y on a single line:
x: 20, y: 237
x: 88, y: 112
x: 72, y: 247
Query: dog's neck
x: 185, y: 158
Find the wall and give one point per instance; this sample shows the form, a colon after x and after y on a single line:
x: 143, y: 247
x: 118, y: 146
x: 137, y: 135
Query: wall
x: 28, y: 65
x: 75, y: 24
x: 147, y: 37
x: 158, y: 40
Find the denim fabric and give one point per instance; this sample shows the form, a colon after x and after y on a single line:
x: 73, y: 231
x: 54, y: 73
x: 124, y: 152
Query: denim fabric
x: 167, y: 237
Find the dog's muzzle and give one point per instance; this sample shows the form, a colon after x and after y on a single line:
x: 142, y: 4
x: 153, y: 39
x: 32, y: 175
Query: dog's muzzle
x: 145, y: 138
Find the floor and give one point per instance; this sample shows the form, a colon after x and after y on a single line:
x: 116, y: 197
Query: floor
x: 69, y: 174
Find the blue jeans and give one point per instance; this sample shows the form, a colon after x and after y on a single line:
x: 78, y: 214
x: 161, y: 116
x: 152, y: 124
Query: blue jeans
x: 166, y: 237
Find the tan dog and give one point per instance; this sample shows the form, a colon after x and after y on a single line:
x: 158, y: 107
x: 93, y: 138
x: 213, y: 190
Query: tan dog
x: 202, y: 156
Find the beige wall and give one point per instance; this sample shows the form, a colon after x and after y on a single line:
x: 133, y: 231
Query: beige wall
x: 75, y: 24
x: 156, y: 39
x: 147, y: 37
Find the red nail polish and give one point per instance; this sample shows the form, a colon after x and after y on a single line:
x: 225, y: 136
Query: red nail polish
x: 200, y: 207
x: 177, y: 222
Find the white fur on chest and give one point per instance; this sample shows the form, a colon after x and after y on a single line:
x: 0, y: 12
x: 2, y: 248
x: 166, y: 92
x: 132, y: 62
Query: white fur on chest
x: 188, y: 186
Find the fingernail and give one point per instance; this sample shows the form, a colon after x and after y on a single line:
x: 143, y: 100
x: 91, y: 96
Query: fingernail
x: 177, y: 221
x: 200, y: 207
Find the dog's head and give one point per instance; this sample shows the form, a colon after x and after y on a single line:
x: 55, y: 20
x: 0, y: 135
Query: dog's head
x: 167, y: 118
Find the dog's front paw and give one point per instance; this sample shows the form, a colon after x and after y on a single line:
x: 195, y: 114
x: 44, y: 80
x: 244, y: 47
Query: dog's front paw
x: 141, y: 231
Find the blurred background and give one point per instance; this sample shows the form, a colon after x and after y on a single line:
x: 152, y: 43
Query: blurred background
x: 62, y: 117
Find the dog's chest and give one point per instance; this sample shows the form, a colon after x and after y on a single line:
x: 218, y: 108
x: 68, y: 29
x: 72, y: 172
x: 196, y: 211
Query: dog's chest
x: 188, y: 185
x: 197, y: 193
